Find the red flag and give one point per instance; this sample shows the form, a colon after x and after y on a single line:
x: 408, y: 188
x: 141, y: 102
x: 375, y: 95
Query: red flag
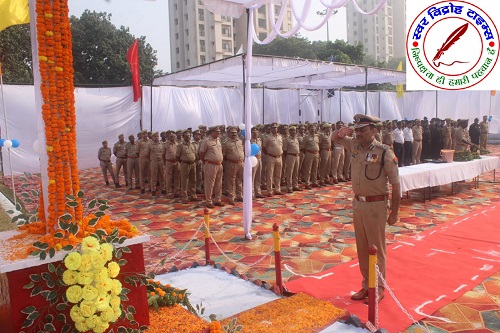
x: 133, y: 59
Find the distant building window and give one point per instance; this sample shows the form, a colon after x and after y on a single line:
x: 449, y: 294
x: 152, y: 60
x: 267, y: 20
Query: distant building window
x: 202, y: 46
x: 201, y: 27
x: 389, y: 40
x: 355, y: 23
x: 176, y: 21
x: 289, y: 15
x: 262, y: 23
x: 187, y: 47
x: 200, y: 2
x: 262, y: 35
x: 175, y: 6
x: 262, y: 10
x: 277, y: 10
x: 226, y: 32
x: 176, y: 35
x: 178, y: 65
x: 355, y: 33
x: 177, y: 50
x: 188, y: 63
x: 186, y: 17
x: 390, y: 49
x: 389, y: 30
x: 203, y: 60
x: 201, y: 14
x: 187, y: 32
x: 226, y: 46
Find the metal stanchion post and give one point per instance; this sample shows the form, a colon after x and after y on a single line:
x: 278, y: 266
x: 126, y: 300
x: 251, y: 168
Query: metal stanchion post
x: 372, y: 286
x: 277, y: 258
x: 207, y: 236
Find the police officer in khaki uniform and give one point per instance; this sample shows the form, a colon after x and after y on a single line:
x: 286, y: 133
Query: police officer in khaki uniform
x: 143, y: 152
x: 483, y: 137
x: 257, y: 170
x: 447, y: 135
x: 172, y: 172
x: 197, y: 136
x: 387, y: 136
x: 104, y: 156
x: 232, y: 150
x: 156, y: 156
x: 132, y: 162
x: 121, y: 158
x: 462, y: 139
x: 186, y: 155
x: 301, y: 133
x: 310, y: 148
x: 373, y: 166
x: 266, y: 132
x: 325, y: 146
x: 273, y: 148
x: 417, y: 142
x: 291, y: 151
x: 211, y: 155
x: 338, y: 158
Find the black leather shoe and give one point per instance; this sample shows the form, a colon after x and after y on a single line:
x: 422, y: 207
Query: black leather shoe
x: 360, y: 295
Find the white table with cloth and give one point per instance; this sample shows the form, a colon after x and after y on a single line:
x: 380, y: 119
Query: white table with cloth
x: 434, y: 174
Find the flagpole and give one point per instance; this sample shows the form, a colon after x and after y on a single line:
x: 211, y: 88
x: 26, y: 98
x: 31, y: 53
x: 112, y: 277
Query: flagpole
x: 7, y: 136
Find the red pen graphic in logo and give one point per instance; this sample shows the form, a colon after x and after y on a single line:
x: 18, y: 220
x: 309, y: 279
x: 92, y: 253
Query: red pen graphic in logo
x: 452, y: 45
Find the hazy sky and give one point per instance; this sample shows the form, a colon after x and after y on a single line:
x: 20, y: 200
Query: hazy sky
x: 150, y: 18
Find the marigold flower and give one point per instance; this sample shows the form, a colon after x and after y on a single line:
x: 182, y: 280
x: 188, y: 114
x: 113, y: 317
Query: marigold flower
x: 74, y: 294
x: 90, y: 244
x: 87, y: 308
x: 73, y: 261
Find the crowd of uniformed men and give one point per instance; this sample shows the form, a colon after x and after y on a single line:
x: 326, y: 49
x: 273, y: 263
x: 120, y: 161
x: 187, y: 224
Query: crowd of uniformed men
x: 186, y: 163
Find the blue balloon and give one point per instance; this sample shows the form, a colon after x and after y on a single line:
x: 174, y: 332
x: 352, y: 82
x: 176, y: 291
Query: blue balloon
x: 15, y: 143
x: 243, y: 132
x: 489, y: 118
x: 254, y: 149
x: 1, y: 142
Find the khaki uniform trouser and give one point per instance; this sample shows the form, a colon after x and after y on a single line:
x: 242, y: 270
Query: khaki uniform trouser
x: 310, y: 171
x: 264, y: 168
x: 157, y: 174
x: 369, y: 226
x: 256, y: 177
x: 188, y: 180
x: 105, y: 168
x: 483, y: 140
x: 273, y: 173
x: 347, y: 163
x: 213, y: 182
x: 144, y: 171
x: 325, y: 164
x: 172, y: 177
x: 338, y: 163
x: 199, y: 175
x: 416, y: 151
x: 447, y: 143
x: 121, y: 162
x: 292, y: 171
x: 133, y: 167
x: 234, y: 179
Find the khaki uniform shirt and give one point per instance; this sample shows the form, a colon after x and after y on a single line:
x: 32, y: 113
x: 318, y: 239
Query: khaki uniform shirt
x: 156, y: 151
x: 447, y: 131
x: 104, y: 154
x: 485, y: 126
x: 142, y: 148
x: 212, y: 149
x: 388, y: 137
x: 417, y: 133
x: 461, y: 134
x: 232, y: 150
x: 170, y: 151
x: 186, y: 151
x: 291, y: 146
x: 197, y: 144
x: 310, y: 143
x: 368, y: 176
x: 119, y: 149
x: 378, y: 137
x: 273, y: 145
x: 131, y: 150
x: 325, y: 141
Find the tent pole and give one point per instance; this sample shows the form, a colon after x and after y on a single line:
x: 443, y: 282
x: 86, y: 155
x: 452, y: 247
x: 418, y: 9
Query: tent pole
x: 263, y: 104
x: 340, y: 102
x: 366, y: 90
x: 243, y: 60
x: 247, y: 169
x: 379, y: 104
x: 436, y: 103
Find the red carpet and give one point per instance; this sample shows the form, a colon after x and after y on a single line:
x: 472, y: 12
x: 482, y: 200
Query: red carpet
x: 425, y: 273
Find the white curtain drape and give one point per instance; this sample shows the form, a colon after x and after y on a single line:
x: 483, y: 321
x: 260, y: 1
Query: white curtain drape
x: 104, y: 113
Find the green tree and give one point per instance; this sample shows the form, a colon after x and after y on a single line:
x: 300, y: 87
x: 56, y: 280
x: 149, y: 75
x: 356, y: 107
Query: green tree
x: 15, y: 54
x: 342, y: 51
x: 100, y: 49
x: 99, y: 52
x: 293, y: 47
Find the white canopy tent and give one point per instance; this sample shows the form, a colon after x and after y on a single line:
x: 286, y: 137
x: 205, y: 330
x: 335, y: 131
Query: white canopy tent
x: 280, y: 73
x: 236, y: 8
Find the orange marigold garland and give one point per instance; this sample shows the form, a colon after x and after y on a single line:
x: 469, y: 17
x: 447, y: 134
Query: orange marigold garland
x: 58, y: 109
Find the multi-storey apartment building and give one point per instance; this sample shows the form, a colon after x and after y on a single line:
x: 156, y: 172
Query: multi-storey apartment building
x: 382, y: 34
x: 197, y: 36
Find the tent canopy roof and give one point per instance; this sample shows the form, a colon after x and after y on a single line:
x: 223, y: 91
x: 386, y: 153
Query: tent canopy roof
x: 280, y: 73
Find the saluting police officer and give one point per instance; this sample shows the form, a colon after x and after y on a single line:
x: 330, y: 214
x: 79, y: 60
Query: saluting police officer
x: 121, y: 158
x: 211, y: 155
x: 132, y: 162
x: 291, y: 151
x: 232, y: 150
x: 310, y: 148
x: 156, y: 157
x: 273, y: 148
x: 373, y: 165
x: 186, y: 155
x: 325, y: 146
x: 104, y: 156
x: 172, y: 173
x: 143, y: 152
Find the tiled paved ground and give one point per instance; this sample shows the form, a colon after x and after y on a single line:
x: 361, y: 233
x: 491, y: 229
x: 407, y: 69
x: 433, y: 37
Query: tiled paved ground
x: 316, y: 234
